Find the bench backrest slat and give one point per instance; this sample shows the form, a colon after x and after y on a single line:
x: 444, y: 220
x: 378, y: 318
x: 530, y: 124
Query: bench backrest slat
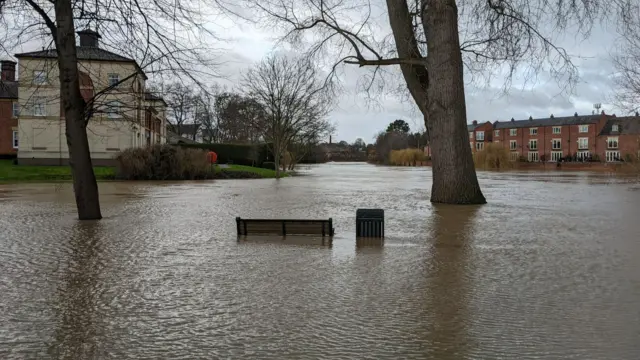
x: 284, y: 227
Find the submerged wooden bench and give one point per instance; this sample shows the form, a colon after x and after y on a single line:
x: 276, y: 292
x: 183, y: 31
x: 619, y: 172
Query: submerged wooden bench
x: 284, y: 227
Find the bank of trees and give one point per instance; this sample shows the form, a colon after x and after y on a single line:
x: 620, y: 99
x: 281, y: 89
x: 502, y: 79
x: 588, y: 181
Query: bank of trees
x: 397, y: 136
x: 282, y: 101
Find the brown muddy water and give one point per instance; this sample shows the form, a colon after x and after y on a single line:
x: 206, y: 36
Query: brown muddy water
x: 548, y: 269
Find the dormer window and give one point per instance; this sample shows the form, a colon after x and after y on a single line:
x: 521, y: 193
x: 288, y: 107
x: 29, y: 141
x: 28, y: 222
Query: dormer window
x: 614, y: 127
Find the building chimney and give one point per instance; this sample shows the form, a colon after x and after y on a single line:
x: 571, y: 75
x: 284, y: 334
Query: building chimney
x: 637, y: 113
x: 329, y: 139
x: 602, y: 113
x: 8, y: 70
x: 512, y: 120
x: 89, y: 38
x: 475, y: 122
x: 575, y: 114
x: 551, y: 116
x: 530, y: 117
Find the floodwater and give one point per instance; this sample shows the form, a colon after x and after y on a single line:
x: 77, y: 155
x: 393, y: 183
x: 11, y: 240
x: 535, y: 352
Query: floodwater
x: 548, y: 269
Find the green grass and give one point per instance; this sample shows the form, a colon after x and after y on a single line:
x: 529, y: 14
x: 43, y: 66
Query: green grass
x: 19, y: 173
x: 15, y: 173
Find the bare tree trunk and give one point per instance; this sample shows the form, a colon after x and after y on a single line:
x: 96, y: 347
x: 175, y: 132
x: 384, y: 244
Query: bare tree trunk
x: 454, y: 174
x: 85, y: 186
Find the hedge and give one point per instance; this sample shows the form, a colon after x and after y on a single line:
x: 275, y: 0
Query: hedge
x: 251, y: 155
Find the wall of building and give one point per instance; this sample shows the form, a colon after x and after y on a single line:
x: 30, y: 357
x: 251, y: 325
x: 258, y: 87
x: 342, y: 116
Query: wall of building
x: 42, y: 138
x: 8, y: 124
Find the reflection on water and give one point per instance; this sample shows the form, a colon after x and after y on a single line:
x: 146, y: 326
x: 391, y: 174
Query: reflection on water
x: 547, y: 269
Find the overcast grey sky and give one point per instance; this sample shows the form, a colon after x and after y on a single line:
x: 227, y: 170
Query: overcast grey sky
x: 356, y: 117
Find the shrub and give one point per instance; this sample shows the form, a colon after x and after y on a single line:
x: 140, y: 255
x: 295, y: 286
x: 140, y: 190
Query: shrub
x: 406, y: 157
x: 493, y: 157
x: 163, y: 162
x: 251, y: 155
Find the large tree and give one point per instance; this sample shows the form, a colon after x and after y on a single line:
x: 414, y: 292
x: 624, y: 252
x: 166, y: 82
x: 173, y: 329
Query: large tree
x: 294, y: 98
x: 159, y: 40
x: 432, y: 41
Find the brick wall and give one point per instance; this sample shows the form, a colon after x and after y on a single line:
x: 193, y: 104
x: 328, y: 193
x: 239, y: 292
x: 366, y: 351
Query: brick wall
x: 7, y: 124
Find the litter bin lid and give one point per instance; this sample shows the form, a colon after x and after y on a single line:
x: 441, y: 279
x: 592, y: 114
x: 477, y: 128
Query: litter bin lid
x: 370, y: 213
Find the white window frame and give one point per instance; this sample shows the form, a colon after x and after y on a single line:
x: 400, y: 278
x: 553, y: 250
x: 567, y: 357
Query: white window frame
x: 496, y: 133
x: 611, y: 155
x: 514, y: 156
x: 556, y: 156
x: 533, y: 156
x: 15, y: 109
x: 612, y: 142
x: 533, y: 141
x: 513, y: 132
x: 39, y: 77
x: 557, y: 129
x: 38, y: 106
x: 615, y: 127
x: 470, y: 134
x: 479, y: 146
x: 533, y: 131
x: 583, y: 128
x: 583, y: 154
x: 584, y: 140
x: 554, y: 142
x: 15, y: 140
x: 480, y: 135
x: 111, y: 77
x: 117, y: 105
x: 513, y: 145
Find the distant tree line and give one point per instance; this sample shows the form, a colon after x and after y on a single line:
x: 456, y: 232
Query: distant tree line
x: 397, y: 136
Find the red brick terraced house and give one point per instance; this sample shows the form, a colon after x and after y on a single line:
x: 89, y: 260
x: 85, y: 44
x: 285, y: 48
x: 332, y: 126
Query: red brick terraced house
x: 8, y: 110
x: 581, y: 137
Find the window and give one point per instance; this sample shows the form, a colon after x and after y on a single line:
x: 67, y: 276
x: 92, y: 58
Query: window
x: 15, y: 139
x: 470, y: 134
x: 614, y: 127
x: 612, y: 142
x: 556, y: 156
x: 612, y: 156
x: 480, y: 135
x: 114, y: 109
x: 583, y: 155
x: 514, y: 156
x: 479, y: 146
x: 583, y: 143
x: 556, y: 129
x: 533, y: 131
x: 16, y: 109
x: 556, y: 144
x: 513, y: 132
x: 533, y: 144
x: 471, y: 144
x: 113, y: 79
x: 513, y: 145
x: 533, y: 156
x: 583, y: 128
x: 38, y: 107
x: 496, y: 133
x: 39, y: 77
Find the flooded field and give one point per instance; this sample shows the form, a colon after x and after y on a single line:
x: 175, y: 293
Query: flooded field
x: 548, y: 269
